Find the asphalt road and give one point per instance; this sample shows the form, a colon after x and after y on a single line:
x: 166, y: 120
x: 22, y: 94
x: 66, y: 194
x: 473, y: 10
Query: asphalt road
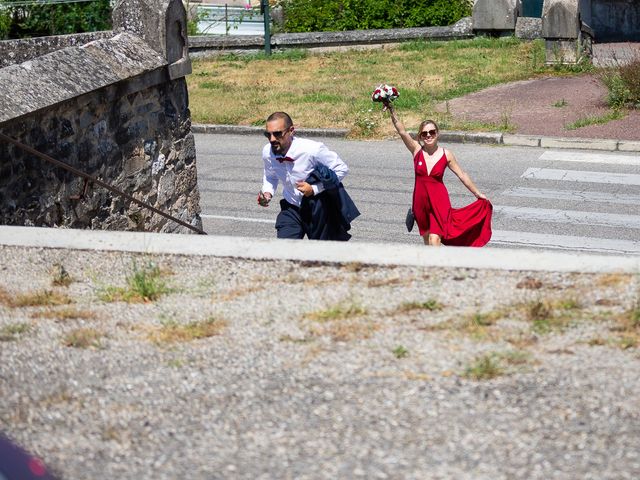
x: 556, y: 199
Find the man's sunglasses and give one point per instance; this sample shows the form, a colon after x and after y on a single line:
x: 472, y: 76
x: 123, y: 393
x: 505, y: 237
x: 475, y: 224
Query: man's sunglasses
x: 278, y: 134
x: 426, y: 133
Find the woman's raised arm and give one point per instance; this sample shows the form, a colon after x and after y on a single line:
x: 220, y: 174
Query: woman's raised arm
x: 409, y: 142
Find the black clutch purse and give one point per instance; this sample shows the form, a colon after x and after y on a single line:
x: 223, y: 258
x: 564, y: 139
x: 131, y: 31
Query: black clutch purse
x: 410, y: 220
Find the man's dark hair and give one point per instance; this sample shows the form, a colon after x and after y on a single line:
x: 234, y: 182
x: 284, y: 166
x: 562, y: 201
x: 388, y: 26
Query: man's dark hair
x: 281, y: 115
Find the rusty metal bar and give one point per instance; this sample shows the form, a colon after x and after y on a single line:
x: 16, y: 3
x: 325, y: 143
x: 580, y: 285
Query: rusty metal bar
x: 86, y: 176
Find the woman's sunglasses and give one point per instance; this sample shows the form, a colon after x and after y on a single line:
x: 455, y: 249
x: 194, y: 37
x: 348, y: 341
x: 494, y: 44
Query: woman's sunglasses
x: 428, y: 133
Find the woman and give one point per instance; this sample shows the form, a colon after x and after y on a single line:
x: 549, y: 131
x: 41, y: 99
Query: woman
x: 438, y: 222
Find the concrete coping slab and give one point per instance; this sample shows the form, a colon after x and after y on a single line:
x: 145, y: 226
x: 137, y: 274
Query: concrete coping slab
x: 73, y: 71
x: 317, y: 251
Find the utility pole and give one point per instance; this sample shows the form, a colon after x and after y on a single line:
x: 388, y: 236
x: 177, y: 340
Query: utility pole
x: 264, y: 9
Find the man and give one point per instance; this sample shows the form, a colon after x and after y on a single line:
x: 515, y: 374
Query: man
x: 315, y: 203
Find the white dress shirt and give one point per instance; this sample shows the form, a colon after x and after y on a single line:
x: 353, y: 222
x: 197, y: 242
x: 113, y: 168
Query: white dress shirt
x: 307, y: 154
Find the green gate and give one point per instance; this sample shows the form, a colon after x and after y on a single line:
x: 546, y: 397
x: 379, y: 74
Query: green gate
x: 532, y: 8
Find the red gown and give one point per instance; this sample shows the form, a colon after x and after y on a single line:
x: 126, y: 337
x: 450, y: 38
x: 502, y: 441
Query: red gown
x: 468, y: 226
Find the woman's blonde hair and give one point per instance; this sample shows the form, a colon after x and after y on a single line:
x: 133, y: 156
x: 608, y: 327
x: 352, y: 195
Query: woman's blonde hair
x: 426, y: 122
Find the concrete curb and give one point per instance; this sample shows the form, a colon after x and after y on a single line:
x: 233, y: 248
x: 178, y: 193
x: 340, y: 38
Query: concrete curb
x: 491, y: 138
x: 325, y: 252
x: 246, y: 130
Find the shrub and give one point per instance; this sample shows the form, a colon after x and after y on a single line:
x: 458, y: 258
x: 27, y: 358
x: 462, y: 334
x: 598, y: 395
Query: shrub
x: 55, y: 19
x: 339, y: 15
x: 623, y: 82
x: 630, y: 75
x: 5, y: 22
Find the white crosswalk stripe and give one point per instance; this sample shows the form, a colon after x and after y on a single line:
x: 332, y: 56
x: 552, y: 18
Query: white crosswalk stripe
x: 583, y: 157
x: 573, y: 196
x: 550, y: 215
x: 238, y: 219
x: 581, y: 176
x: 564, y: 242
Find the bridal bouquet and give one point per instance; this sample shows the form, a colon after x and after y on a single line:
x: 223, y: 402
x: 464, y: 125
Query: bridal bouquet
x: 385, y: 93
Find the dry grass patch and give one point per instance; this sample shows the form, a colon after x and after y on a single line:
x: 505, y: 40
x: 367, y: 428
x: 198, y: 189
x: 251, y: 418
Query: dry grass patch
x: 59, y: 276
x: 613, y: 279
x: 174, y: 332
x: 345, y: 330
x: 236, y: 293
x: 429, y: 305
x: 627, y: 327
x: 342, y: 322
x: 339, y: 311
x: 546, y: 316
x: 477, y: 325
x: 83, y: 338
x: 65, y: 313
x: 387, y: 282
x: 43, y: 298
x: 13, y: 331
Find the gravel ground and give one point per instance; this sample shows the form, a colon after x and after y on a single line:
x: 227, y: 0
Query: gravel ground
x: 317, y: 371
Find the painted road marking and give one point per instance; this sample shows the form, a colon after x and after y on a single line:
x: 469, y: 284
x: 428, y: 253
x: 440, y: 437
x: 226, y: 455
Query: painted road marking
x: 606, y: 158
x: 238, y: 219
x: 564, y: 242
x: 550, y: 215
x: 573, y: 195
x: 580, y: 176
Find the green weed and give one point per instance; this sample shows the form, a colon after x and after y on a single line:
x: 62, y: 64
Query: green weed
x: 143, y: 285
x: 595, y: 120
x: 485, y: 367
x: 400, y: 352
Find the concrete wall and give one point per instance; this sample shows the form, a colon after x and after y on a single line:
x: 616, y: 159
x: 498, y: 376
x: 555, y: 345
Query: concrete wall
x: 115, y: 108
x: 615, y: 20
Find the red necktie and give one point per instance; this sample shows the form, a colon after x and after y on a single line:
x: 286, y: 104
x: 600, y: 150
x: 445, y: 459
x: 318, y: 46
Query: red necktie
x: 286, y: 159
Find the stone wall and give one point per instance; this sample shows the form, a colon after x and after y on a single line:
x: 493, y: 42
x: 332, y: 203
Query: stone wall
x: 138, y: 142
x: 116, y: 109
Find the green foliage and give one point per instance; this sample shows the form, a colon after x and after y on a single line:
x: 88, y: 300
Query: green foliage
x: 400, y: 352
x: 53, y: 19
x: 340, y: 15
x: 5, y: 22
x: 143, y: 285
x: 623, y: 83
x: 595, y: 120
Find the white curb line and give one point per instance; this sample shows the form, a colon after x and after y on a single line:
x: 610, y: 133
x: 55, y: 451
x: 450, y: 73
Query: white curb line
x: 331, y: 252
